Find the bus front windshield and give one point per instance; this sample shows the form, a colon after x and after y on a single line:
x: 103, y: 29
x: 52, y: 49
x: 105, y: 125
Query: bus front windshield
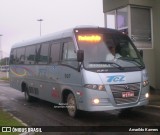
x: 109, y: 51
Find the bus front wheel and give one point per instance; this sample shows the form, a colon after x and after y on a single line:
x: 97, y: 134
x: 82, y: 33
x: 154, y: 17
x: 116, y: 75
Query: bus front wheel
x: 71, y: 105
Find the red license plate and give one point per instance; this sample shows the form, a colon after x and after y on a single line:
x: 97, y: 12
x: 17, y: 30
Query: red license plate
x: 127, y: 94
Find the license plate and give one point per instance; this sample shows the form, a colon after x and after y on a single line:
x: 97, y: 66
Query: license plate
x: 127, y: 94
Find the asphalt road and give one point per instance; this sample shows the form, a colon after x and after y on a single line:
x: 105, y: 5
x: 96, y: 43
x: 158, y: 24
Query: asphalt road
x: 42, y: 113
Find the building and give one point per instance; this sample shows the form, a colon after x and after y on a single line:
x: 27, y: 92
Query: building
x: 140, y: 19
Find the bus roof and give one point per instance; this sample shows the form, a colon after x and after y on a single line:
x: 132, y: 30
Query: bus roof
x: 54, y: 36
x: 45, y: 38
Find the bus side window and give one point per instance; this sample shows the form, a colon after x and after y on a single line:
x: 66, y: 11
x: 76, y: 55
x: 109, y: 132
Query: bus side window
x: 69, y: 51
x: 55, y: 52
x: 69, y: 56
x: 44, y: 51
x: 38, y: 51
x: 13, y: 56
x: 20, y: 55
x: 30, y: 54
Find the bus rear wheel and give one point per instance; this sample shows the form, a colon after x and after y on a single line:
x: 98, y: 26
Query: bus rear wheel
x: 71, y: 105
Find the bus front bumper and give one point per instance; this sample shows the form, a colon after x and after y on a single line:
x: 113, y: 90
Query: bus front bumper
x: 111, y: 107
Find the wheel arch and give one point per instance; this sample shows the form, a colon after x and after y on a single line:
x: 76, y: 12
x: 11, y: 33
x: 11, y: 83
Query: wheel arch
x: 64, y: 94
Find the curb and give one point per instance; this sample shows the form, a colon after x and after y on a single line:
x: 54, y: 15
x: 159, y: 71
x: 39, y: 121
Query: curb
x: 24, y: 124
x: 27, y: 134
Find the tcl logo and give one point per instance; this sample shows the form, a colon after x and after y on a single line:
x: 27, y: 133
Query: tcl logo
x: 117, y: 78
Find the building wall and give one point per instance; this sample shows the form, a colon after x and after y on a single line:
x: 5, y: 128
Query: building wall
x: 151, y: 56
x: 142, y: 2
x: 157, y: 41
x: 111, y: 4
x: 149, y: 60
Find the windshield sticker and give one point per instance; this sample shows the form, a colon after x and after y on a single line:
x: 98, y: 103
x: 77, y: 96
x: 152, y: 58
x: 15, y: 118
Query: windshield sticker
x: 99, y: 65
x: 116, y: 78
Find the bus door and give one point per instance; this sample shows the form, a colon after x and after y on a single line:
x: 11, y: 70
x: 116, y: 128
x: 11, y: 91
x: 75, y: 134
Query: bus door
x: 69, y: 74
x: 53, y: 72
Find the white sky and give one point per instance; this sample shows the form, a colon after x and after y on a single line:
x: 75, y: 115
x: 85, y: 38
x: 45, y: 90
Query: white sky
x: 18, y: 18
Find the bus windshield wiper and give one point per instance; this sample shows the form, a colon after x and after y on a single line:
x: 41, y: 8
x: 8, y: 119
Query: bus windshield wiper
x: 109, y: 62
x: 132, y: 60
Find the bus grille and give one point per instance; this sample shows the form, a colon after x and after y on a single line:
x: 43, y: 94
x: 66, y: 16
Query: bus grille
x: 118, y: 89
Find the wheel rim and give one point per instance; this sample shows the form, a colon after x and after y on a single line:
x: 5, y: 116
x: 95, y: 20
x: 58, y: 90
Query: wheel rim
x: 71, y: 106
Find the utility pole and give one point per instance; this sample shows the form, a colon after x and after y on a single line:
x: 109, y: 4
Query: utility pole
x: 40, y: 21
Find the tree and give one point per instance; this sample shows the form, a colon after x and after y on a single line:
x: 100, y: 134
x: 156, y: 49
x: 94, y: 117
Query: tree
x: 4, y: 61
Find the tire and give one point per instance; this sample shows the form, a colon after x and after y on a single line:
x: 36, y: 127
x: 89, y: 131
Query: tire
x: 71, y: 105
x: 28, y: 98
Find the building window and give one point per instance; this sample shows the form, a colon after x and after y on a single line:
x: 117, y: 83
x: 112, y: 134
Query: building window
x: 141, y: 27
x: 122, y: 20
x: 133, y: 21
x: 111, y: 19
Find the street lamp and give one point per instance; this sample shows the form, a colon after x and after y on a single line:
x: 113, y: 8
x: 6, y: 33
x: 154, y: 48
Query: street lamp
x: 1, y: 55
x: 40, y: 21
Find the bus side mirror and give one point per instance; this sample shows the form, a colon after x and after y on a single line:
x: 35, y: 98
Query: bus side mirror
x: 141, y: 53
x: 80, y: 55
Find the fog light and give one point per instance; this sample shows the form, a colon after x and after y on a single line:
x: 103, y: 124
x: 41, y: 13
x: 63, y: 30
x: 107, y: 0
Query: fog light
x: 146, y: 95
x: 96, y: 101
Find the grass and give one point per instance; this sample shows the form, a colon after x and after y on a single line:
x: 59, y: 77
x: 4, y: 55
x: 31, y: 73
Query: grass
x: 7, y: 120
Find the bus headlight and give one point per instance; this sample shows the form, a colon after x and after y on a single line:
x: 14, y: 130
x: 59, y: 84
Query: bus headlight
x: 95, y: 87
x: 145, y: 83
